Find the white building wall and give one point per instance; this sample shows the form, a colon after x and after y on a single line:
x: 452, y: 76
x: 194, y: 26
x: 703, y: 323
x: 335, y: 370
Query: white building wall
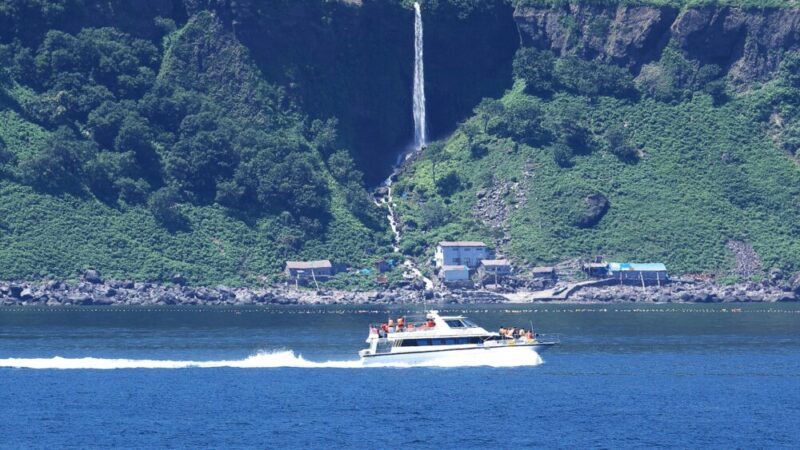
x: 455, y: 256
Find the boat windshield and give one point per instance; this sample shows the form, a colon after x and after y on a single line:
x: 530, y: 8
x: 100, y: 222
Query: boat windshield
x: 460, y: 323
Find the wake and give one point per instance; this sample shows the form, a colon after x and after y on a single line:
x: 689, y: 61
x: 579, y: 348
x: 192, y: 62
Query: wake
x: 261, y: 360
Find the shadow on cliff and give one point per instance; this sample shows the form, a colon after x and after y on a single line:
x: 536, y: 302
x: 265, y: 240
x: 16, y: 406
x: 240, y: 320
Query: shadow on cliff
x: 355, y: 63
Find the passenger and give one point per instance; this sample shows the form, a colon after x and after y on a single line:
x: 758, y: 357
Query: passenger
x: 410, y: 327
x: 430, y: 323
x: 503, y: 331
x: 391, y: 325
x: 529, y: 335
x: 521, y: 333
x: 514, y: 332
x: 401, y: 322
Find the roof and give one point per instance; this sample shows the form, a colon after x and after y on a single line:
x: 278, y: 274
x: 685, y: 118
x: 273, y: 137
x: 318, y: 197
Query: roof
x: 448, y: 268
x: 544, y: 269
x: 495, y: 262
x: 596, y: 265
x: 320, y: 264
x: 647, y: 267
x: 461, y: 244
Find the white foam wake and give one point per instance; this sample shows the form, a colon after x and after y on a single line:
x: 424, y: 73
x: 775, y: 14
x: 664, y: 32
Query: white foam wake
x: 262, y: 360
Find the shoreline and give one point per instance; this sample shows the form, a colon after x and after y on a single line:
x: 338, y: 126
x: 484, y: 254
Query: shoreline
x: 93, y: 291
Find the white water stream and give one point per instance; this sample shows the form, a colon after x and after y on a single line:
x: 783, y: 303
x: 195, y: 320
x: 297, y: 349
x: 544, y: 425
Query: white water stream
x: 420, y: 127
x: 420, y: 139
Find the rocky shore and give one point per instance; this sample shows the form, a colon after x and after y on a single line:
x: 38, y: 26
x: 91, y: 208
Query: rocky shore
x: 93, y: 290
x: 689, y: 292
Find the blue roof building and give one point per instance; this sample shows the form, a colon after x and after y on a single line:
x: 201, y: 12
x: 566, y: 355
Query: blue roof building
x: 640, y: 273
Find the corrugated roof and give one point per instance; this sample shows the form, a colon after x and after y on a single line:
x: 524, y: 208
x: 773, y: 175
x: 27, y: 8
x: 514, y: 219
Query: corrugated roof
x: 495, y: 262
x: 461, y: 244
x: 320, y: 264
x: 639, y: 267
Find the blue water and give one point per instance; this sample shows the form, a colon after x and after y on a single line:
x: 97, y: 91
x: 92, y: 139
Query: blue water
x: 624, y: 376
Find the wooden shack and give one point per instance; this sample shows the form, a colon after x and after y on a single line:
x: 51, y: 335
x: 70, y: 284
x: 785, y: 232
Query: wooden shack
x: 305, y: 270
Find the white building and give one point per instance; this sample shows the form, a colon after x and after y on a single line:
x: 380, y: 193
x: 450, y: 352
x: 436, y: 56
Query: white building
x: 467, y: 253
x: 454, y: 274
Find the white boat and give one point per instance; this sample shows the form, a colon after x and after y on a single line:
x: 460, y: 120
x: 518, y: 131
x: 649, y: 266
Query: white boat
x: 439, y: 337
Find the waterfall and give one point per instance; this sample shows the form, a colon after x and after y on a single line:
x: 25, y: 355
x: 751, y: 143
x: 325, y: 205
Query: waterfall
x: 420, y: 133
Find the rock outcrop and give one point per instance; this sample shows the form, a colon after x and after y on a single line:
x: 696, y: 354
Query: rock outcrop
x: 747, y: 43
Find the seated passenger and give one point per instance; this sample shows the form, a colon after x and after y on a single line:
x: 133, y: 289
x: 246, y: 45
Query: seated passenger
x: 430, y: 323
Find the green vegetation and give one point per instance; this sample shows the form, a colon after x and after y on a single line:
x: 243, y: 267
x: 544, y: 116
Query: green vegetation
x: 683, y: 174
x: 143, y: 157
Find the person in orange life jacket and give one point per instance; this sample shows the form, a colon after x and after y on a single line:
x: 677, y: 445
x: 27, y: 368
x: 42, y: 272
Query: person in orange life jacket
x: 401, y: 322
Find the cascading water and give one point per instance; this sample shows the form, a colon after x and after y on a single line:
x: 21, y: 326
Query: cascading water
x: 420, y: 131
x: 420, y: 139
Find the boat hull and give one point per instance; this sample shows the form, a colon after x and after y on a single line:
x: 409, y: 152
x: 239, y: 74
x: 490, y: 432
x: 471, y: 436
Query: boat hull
x: 505, y: 355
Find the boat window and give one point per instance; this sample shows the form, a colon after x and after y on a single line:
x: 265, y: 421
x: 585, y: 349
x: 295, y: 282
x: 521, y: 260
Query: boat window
x: 469, y: 323
x: 436, y: 342
x: 450, y: 341
x: 454, y: 323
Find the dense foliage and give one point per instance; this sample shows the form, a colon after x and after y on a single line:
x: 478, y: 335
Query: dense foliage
x: 178, y: 124
x: 671, y: 168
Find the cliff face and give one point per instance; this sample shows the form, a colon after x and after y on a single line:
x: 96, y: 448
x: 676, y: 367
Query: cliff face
x: 747, y: 43
x: 353, y: 60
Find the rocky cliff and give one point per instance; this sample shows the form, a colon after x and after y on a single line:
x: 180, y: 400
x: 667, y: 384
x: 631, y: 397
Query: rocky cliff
x: 747, y: 43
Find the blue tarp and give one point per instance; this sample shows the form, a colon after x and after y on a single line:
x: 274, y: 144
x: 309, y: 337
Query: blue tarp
x: 637, y: 267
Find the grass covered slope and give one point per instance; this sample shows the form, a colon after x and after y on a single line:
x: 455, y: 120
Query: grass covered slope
x: 145, y: 159
x: 682, y: 180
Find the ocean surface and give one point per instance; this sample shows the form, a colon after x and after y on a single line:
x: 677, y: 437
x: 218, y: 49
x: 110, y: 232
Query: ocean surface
x: 624, y: 376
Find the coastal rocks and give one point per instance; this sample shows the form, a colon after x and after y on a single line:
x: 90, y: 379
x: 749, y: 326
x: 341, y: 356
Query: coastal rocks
x: 679, y: 292
x: 747, y: 261
x: 92, y: 276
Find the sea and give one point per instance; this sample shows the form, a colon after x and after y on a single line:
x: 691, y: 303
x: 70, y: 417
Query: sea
x: 623, y: 376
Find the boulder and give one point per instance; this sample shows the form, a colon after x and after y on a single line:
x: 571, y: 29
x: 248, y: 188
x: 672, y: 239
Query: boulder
x: 26, y: 294
x: 93, y: 276
x: 15, y: 290
x: 80, y: 299
x: 596, y: 207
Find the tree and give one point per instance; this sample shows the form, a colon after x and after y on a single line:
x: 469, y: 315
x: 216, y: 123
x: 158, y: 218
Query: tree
x: 105, y: 121
x: 343, y: 169
x: 164, y: 206
x: 524, y: 121
x: 487, y: 110
x: 102, y: 172
x: 535, y: 68
x: 562, y: 155
x: 449, y: 184
x: 617, y: 140
x: 593, y: 78
x: 436, y: 154
x: 58, y: 165
x: 790, y: 69
x: 6, y: 157
x: 568, y: 125
x: 434, y: 214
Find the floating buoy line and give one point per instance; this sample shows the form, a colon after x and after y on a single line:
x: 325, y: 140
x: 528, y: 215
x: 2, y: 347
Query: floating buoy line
x: 290, y: 310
